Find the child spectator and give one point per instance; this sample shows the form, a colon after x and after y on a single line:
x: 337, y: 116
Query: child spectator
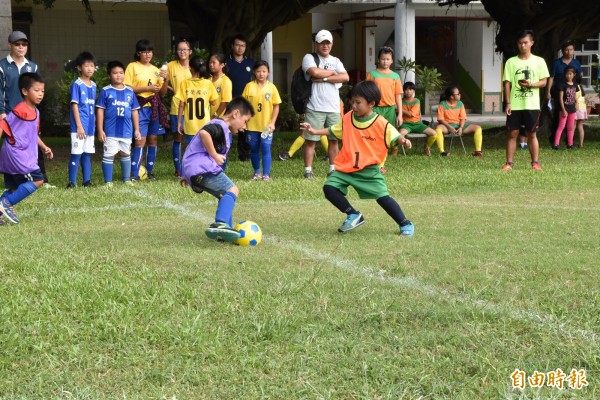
x: 179, y: 71
x: 18, y: 156
x: 83, y: 99
x: 366, y: 138
x: 118, y: 122
x: 195, y: 95
x: 566, y: 116
x: 411, y: 114
x: 202, y: 163
x: 264, y: 97
x: 222, y: 83
x: 580, y: 110
x: 452, y: 117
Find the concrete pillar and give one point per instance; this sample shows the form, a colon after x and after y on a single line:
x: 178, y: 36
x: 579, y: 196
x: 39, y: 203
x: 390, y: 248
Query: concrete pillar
x: 370, y: 51
x: 266, y: 53
x: 5, y: 26
x: 404, y: 33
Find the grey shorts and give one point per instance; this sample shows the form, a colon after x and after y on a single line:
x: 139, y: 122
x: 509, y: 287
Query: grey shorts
x: 319, y: 120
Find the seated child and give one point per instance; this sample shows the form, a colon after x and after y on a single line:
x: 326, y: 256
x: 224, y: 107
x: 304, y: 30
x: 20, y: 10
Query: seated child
x: 452, y: 118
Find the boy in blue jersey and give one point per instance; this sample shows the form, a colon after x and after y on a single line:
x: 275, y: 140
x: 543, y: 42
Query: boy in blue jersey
x: 83, y: 99
x: 18, y: 156
x: 118, y: 121
x: 202, y: 165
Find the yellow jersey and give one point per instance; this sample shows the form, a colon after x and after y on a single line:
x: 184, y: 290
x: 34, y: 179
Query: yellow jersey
x: 139, y: 75
x: 262, y: 99
x: 224, y: 90
x: 177, y: 74
x: 197, y: 94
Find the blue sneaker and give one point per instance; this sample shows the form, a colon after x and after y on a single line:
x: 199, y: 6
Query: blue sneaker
x: 9, y: 212
x: 222, y: 232
x: 407, y: 230
x: 352, y: 222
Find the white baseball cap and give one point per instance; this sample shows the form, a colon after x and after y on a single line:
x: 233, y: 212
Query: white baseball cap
x: 323, y: 35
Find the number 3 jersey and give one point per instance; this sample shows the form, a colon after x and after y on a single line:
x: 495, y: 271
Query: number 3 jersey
x: 117, y: 105
x: 262, y: 98
x: 365, y: 141
x: 196, y: 95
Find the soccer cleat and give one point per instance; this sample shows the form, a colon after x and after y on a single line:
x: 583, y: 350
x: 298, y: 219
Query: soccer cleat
x: 536, y: 165
x: 257, y: 177
x: 222, y: 232
x: 266, y: 178
x: 71, y: 185
x: 46, y: 185
x: 507, y: 167
x: 151, y: 175
x: 570, y: 147
x: 555, y: 147
x: 87, y: 184
x: 524, y: 146
x: 407, y: 230
x: 284, y: 155
x: 8, y: 211
x: 426, y: 151
x: 309, y: 175
x: 353, y: 221
x: 331, y: 171
x: 445, y: 154
x: 477, y: 154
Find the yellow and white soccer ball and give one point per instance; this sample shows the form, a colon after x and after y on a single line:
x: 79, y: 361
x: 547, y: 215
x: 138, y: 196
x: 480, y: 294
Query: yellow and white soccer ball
x: 251, y: 234
x: 143, y: 174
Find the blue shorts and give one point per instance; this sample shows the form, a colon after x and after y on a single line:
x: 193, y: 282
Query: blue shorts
x: 174, y: 123
x: 216, y: 185
x: 147, y: 126
x: 12, y: 182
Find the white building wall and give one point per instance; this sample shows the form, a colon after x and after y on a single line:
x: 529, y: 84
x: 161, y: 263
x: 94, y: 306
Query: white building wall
x: 469, y: 42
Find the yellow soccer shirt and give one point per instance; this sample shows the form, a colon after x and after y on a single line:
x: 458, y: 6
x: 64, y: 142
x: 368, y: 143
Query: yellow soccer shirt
x: 389, y: 85
x: 197, y: 94
x: 452, y: 115
x: 365, y: 141
x: 139, y: 75
x: 224, y: 90
x: 413, y: 107
x: 177, y: 74
x: 262, y: 99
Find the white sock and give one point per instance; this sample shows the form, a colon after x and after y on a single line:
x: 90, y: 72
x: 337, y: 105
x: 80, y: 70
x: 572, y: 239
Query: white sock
x: 307, y: 169
x: 331, y: 167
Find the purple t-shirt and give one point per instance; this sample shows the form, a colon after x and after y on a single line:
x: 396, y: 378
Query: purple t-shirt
x: 196, y: 160
x: 18, y: 155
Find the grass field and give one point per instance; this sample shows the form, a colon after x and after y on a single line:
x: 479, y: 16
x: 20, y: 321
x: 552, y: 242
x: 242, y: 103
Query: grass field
x: 119, y: 295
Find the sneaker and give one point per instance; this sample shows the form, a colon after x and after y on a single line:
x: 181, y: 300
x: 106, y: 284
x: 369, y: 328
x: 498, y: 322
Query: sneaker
x: 381, y: 169
x: 8, y: 211
x: 257, y: 177
x: 129, y: 182
x: 507, y: 167
x: 222, y: 232
x: 536, y: 165
x: 331, y: 171
x: 352, y: 222
x: 151, y: 176
x: 71, y: 185
x: 284, y: 155
x: 134, y: 180
x: 571, y: 147
x: 87, y: 184
x: 46, y: 185
x: 445, y: 154
x: 266, y: 178
x: 407, y: 230
x: 426, y: 151
x: 524, y: 146
x: 309, y: 175
x: 555, y: 147
x: 477, y: 154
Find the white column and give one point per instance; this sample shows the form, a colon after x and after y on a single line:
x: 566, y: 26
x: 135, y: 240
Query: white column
x: 266, y: 53
x: 404, y: 33
x: 370, y: 51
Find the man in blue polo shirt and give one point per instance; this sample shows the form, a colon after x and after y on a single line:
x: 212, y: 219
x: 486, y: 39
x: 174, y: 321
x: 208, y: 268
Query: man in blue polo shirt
x: 240, y: 73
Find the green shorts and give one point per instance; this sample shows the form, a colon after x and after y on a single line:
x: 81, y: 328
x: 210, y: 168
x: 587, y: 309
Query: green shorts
x: 465, y: 126
x: 319, y: 120
x: 369, y: 183
x: 387, y: 112
x: 414, y: 127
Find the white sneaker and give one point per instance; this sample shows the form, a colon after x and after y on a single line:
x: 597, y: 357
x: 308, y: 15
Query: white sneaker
x: 46, y: 185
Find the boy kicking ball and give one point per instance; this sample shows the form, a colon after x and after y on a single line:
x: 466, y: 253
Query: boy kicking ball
x: 366, y: 138
x: 202, y: 166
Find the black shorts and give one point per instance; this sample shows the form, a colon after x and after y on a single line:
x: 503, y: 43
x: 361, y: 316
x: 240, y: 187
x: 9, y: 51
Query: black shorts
x: 530, y: 119
x: 12, y: 182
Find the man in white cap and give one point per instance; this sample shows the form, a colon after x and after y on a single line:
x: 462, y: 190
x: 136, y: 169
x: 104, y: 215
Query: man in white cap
x: 11, y: 68
x: 323, y: 109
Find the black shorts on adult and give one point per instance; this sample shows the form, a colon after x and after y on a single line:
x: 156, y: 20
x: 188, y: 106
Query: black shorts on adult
x: 527, y: 118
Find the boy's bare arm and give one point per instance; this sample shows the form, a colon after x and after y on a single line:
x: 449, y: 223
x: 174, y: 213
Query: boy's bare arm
x: 47, y: 150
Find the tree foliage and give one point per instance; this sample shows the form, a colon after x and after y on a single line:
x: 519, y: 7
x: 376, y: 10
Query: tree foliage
x: 553, y: 21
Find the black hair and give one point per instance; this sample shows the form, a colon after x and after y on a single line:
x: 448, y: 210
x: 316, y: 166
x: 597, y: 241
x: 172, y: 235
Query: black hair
x: 385, y: 50
x: 525, y: 32
x: 222, y: 60
x: 448, y: 93
x: 240, y: 37
x: 240, y: 104
x: 261, y: 63
x: 409, y: 85
x: 566, y: 44
x: 27, y: 79
x: 198, y: 66
x: 83, y: 57
x: 142, y: 45
x: 368, y: 90
x: 114, y: 64
x: 572, y: 69
x: 182, y: 40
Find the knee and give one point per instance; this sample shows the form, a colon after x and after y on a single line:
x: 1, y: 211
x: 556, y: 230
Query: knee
x: 235, y: 190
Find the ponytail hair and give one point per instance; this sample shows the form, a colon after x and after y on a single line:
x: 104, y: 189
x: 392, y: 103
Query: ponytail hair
x: 198, y: 66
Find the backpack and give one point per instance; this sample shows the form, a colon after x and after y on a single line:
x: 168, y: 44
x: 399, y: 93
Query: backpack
x: 301, y: 88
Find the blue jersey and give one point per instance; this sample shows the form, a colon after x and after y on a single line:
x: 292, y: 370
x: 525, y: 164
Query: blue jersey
x: 117, y: 105
x: 85, y: 98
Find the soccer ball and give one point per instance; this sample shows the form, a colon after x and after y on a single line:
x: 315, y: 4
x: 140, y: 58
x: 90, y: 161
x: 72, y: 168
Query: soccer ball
x: 143, y: 174
x: 251, y: 235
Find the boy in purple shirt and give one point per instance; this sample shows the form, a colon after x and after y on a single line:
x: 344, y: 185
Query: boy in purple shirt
x: 18, y: 156
x: 202, y: 166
